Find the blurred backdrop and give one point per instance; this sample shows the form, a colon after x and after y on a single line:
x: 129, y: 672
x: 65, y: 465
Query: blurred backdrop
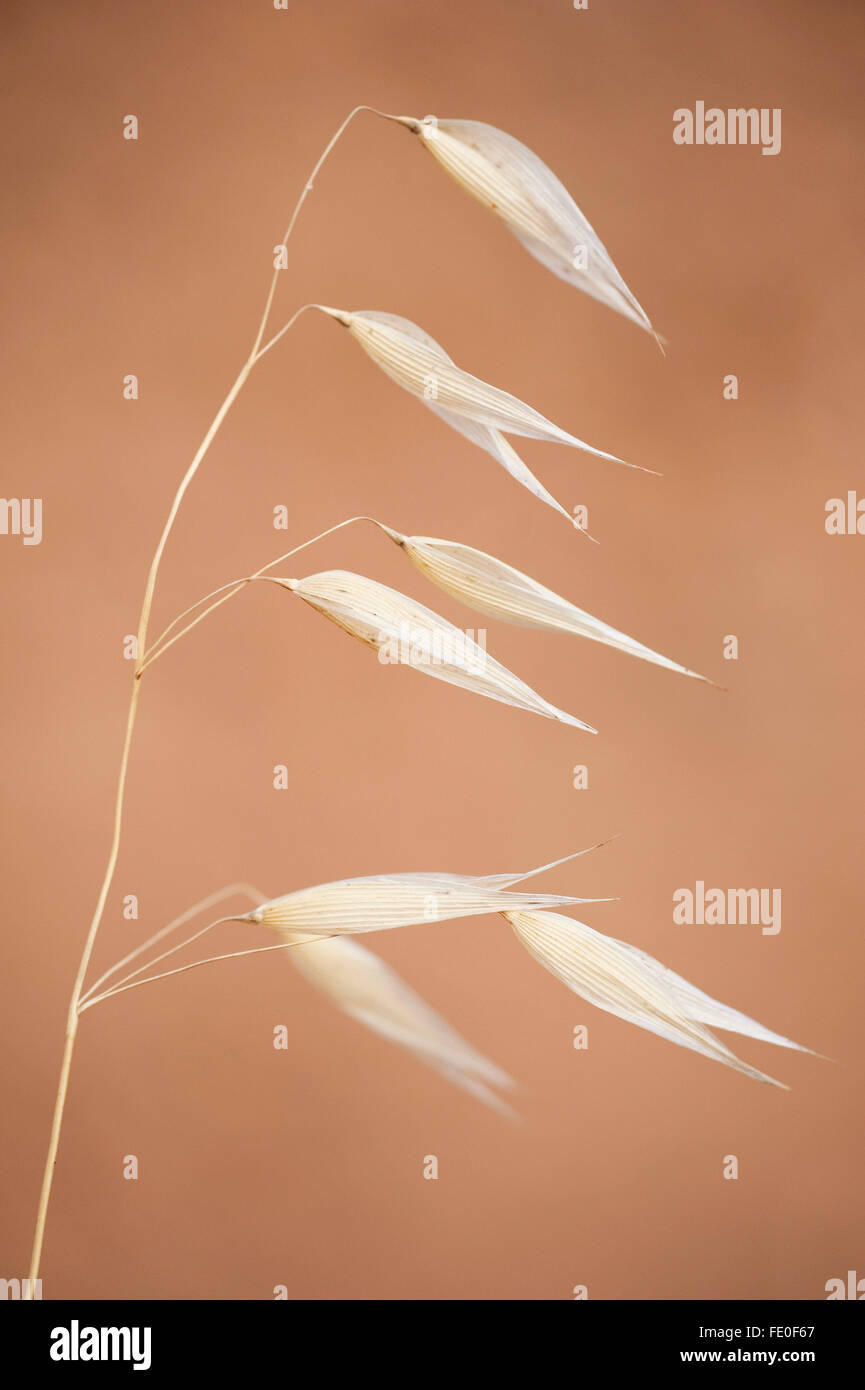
x: 304, y: 1167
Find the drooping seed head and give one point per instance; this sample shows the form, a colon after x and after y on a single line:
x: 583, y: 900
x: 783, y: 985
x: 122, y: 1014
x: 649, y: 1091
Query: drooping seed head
x: 361, y: 985
x: 634, y: 986
x: 405, y: 633
x: 499, y: 590
x: 480, y: 412
x: 511, y: 181
x: 384, y: 901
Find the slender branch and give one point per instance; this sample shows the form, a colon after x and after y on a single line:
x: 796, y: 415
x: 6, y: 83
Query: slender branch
x: 307, y: 189
x: 235, y: 585
x: 193, y: 965
x: 108, y: 877
x: 143, y: 622
x: 72, y: 1013
x: 172, y: 950
x: 284, y: 329
x: 231, y: 891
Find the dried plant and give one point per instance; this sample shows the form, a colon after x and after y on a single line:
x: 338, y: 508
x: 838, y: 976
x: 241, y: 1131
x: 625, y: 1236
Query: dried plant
x: 490, y: 586
x: 632, y: 985
x: 482, y: 413
x: 410, y: 635
x: 509, y: 179
x: 313, y: 924
x: 383, y: 901
x: 362, y: 986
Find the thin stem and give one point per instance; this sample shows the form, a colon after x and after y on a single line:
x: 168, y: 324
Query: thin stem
x: 72, y: 1015
x: 235, y: 588
x: 231, y: 891
x: 235, y: 585
x: 108, y: 877
x: 172, y: 950
x: 193, y: 965
x: 284, y: 329
x: 178, y: 498
x: 307, y: 189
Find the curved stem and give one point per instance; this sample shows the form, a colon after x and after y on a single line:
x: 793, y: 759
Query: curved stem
x: 235, y: 585
x: 257, y: 356
x: 163, y: 955
x: 231, y: 891
x: 193, y: 965
x: 72, y: 1016
x: 307, y: 189
x: 341, y: 315
x: 178, y: 498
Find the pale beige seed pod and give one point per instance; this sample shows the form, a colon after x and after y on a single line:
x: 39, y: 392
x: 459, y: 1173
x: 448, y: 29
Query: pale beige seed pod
x: 403, y: 632
x: 510, y: 180
x: 362, y: 986
x: 492, y: 587
x: 381, y: 902
x: 482, y: 413
x: 634, y: 986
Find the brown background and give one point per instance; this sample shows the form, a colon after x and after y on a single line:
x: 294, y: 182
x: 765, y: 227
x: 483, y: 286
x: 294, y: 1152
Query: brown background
x: 304, y: 1168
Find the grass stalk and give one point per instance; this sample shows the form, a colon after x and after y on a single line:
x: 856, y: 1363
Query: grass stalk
x: 74, y: 1009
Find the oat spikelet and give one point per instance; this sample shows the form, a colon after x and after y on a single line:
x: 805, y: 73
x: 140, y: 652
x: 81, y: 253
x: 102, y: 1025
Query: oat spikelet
x: 381, y: 902
x: 361, y: 985
x: 634, y: 986
x: 480, y: 412
x: 403, y: 632
x: 490, y: 586
x: 509, y: 179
